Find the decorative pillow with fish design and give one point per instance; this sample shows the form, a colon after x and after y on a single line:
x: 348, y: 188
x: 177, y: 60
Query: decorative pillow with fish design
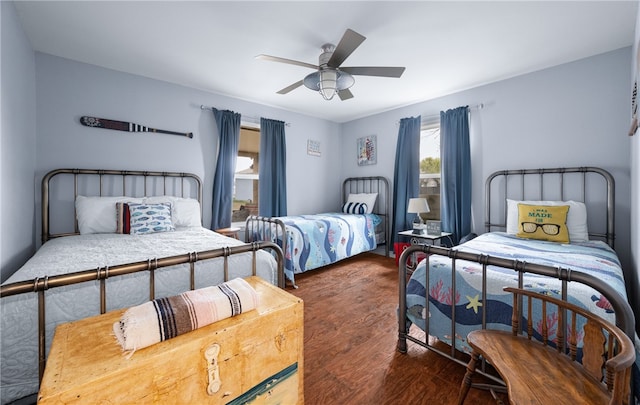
x: 150, y: 218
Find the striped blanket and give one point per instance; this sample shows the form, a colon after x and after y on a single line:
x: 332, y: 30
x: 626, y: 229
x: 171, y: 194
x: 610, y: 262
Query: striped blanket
x: 166, y: 318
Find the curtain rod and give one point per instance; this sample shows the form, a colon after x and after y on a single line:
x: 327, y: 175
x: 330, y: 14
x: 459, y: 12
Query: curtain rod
x: 255, y: 120
x: 432, y: 117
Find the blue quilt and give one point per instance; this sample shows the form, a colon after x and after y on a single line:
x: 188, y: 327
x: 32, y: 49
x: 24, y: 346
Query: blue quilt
x: 593, y: 257
x: 317, y: 240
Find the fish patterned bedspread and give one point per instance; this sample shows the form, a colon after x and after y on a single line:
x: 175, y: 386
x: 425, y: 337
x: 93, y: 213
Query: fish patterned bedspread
x: 317, y: 240
x: 593, y: 257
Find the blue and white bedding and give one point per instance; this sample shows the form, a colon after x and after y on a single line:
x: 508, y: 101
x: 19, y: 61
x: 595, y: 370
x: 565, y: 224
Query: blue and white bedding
x: 317, y: 240
x: 592, y: 257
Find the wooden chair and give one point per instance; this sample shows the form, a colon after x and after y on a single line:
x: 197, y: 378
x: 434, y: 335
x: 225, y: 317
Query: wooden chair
x: 537, y: 373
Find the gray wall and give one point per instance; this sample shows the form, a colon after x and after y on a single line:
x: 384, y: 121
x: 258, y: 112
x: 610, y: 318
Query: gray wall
x: 68, y: 90
x: 18, y: 145
x: 576, y: 114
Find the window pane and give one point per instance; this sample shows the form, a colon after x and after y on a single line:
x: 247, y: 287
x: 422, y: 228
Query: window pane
x: 245, y: 182
x: 430, y: 169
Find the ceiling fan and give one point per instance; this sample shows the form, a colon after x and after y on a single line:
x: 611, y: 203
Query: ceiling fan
x: 330, y: 78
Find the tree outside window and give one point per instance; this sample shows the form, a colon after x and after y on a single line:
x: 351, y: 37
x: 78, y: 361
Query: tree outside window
x: 430, y: 169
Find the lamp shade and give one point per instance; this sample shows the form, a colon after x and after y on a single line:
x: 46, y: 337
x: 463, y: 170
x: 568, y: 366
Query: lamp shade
x: 418, y: 205
x: 328, y: 82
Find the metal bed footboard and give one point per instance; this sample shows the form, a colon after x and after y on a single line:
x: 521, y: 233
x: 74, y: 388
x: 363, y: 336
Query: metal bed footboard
x: 41, y: 284
x: 257, y: 226
x: 625, y: 319
x: 382, y: 208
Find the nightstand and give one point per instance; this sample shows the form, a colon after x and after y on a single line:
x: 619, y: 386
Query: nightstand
x: 423, y: 238
x: 231, y: 232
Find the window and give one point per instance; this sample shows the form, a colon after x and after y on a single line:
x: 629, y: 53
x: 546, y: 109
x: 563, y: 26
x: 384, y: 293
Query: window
x: 245, y: 181
x: 430, y: 168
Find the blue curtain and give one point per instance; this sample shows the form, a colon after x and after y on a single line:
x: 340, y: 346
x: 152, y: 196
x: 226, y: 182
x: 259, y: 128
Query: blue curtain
x: 456, y: 172
x: 228, y: 123
x: 272, y: 188
x: 406, y: 176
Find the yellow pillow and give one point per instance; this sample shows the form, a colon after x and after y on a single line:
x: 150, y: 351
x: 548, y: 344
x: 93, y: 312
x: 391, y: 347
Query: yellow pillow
x: 543, y: 222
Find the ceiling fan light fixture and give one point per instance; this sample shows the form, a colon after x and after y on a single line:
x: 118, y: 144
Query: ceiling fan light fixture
x: 328, y: 82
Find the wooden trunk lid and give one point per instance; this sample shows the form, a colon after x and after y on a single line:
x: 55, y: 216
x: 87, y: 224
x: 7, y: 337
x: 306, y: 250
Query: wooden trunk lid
x: 259, y: 348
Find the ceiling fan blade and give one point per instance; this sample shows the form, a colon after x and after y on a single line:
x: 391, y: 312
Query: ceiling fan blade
x: 349, y: 42
x: 289, y: 88
x: 384, y: 71
x: 285, y: 60
x: 345, y: 94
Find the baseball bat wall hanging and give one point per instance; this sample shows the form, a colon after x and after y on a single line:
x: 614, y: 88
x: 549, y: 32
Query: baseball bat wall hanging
x: 95, y: 122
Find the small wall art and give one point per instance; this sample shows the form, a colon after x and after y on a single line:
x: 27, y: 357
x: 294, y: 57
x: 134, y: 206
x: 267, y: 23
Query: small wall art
x: 634, y: 96
x: 434, y: 228
x: 367, y: 150
x: 313, y: 147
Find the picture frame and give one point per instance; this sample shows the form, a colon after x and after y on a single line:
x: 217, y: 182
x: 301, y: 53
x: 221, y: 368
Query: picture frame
x: 367, y: 153
x: 635, y: 123
x: 434, y: 228
x: 634, y: 109
x: 313, y: 148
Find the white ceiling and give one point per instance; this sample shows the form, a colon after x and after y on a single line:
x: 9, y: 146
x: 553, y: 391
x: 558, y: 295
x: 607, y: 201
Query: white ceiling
x: 446, y: 46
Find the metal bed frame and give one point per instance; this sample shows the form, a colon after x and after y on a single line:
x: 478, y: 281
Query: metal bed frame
x: 518, y: 184
x: 351, y: 185
x: 131, y: 181
x: 524, y: 186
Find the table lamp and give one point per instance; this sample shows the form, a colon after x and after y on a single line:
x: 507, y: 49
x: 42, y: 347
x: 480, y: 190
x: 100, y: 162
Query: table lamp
x: 416, y: 206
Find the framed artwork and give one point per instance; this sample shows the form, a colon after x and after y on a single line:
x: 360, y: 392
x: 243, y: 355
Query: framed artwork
x: 313, y: 147
x: 434, y: 228
x: 367, y: 150
x: 634, y: 94
x: 634, y: 110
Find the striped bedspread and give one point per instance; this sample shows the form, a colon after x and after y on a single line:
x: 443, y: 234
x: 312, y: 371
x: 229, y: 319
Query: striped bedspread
x: 593, y: 257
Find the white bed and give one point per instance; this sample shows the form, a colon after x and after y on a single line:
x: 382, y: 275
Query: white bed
x: 172, y: 261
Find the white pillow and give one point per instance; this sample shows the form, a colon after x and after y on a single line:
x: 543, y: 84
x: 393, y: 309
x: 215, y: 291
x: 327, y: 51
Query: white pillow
x: 184, y: 211
x: 98, y: 214
x: 368, y: 198
x: 576, y: 218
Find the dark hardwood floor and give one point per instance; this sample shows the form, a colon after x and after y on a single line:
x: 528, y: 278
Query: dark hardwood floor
x: 350, y: 341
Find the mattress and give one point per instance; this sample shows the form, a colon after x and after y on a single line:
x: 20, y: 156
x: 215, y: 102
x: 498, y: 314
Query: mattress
x: 19, y: 330
x: 591, y: 257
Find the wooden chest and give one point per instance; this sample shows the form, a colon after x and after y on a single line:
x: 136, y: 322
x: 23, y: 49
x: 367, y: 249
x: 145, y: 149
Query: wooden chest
x: 253, y: 358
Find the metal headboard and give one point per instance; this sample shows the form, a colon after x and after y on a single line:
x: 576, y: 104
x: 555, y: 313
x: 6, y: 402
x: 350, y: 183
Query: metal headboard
x: 120, y: 183
x: 585, y: 184
x: 372, y: 184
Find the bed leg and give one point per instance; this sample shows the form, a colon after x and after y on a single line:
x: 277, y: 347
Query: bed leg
x: 402, y: 344
x: 293, y: 284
